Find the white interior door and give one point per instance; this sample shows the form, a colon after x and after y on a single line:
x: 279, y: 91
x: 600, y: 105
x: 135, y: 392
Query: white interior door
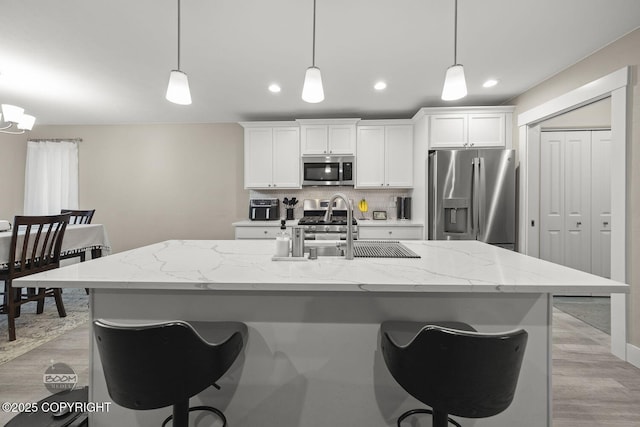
x: 601, y: 203
x: 552, y: 222
x: 577, y: 203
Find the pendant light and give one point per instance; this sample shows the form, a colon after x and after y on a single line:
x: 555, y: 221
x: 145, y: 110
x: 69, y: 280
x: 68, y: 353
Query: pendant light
x: 13, y: 117
x: 455, y: 86
x: 312, y: 90
x: 178, y: 89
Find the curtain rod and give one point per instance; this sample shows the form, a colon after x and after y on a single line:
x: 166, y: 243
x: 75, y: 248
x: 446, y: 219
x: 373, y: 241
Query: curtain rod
x: 57, y: 140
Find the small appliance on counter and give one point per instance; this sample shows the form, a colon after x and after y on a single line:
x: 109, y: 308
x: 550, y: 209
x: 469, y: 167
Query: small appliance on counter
x: 403, y: 207
x: 264, y: 209
x: 5, y: 225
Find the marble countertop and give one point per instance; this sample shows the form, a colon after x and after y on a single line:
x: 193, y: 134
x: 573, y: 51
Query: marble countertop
x: 246, y: 265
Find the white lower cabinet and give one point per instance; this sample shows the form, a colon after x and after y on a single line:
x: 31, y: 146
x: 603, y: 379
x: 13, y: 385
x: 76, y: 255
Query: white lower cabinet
x: 257, y: 232
x: 390, y: 232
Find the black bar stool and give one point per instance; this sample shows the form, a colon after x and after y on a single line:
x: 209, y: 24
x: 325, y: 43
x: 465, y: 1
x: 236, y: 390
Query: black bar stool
x: 164, y: 364
x: 452, y: 368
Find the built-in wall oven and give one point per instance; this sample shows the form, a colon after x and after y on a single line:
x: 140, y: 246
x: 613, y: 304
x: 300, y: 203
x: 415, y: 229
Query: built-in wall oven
x: 328, y: 170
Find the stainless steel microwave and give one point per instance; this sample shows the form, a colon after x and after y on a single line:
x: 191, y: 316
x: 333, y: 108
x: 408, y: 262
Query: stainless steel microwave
x: 328, y: 170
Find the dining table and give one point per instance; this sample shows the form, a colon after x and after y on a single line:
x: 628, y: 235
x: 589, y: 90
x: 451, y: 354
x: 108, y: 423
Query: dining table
x: 77, y: 238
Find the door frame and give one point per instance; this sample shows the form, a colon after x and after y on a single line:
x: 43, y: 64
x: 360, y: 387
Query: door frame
x: 614, y: 85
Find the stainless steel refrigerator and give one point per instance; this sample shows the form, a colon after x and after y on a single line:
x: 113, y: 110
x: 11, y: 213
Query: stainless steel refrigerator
x: 472, y: 196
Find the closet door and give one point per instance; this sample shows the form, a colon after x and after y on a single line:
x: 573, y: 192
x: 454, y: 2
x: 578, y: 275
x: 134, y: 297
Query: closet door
x: 601, y: 203
x: 577, y: 200
x: 552, y: 197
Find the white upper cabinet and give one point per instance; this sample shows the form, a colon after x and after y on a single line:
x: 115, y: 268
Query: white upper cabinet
x: 448, y: 130
x: 385, y: 155
x: 337, y: 136
x: 271, y: 155
x: 474, y: 127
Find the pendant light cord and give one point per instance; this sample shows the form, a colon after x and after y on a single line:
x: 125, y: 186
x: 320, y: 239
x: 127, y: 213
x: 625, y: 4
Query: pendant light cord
x: 313, y: 55
x: 179, y: 35
x: 455, y: 34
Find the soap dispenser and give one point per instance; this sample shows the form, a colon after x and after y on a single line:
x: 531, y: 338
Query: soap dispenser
x: 282, y: 240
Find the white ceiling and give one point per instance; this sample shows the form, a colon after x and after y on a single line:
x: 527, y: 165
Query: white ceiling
x: 108, y: 61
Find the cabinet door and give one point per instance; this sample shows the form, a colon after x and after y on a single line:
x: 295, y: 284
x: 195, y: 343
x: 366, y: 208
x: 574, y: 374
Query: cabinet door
x: 389, y: 233
x: 286, y: 157
x: 399, y: 156
x: 342, y: 139
x: 314, y: 139
x: 448, y: 131
x: 251, y: 232
x: 486, y: 130
x: 601, y: 203
x: 370, y: 164
x: 258, y: 157
x: 577, y: 193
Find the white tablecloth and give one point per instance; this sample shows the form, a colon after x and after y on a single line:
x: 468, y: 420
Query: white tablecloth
x: 76, y: 238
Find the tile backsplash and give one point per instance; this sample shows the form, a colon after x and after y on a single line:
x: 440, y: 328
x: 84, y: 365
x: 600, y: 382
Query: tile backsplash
x: 378, y: 200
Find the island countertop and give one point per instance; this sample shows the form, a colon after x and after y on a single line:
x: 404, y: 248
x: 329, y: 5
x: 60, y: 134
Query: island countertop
x: 247, y: 265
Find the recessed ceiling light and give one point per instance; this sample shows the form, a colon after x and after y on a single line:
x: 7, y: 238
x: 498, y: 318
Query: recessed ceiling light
x: 490, y: 83
x: 380, y: 85
x: 274, y: 88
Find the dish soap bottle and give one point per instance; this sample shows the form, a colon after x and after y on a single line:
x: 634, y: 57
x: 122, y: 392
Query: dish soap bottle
x: 282, y: 240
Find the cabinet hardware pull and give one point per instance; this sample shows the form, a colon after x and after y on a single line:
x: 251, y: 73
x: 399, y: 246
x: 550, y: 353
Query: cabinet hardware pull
x: 605, y: 223
x: 578, y: 224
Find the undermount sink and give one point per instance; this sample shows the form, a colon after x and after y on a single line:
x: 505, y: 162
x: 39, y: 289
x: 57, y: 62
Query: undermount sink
x: 363, y: 249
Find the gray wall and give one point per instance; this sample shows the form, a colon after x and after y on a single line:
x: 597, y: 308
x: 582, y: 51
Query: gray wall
x: 148, y: 183
x: 621, y: 53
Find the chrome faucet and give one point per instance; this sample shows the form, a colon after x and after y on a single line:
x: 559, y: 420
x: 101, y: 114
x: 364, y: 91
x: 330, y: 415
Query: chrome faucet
x: 327, y: 217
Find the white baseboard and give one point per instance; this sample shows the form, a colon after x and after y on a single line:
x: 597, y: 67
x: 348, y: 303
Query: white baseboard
x: 633, y: 355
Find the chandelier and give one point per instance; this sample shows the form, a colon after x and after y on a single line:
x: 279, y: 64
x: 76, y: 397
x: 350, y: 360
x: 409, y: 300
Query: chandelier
x: 14, y: 121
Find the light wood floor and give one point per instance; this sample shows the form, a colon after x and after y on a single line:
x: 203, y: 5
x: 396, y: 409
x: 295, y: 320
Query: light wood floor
x: 591, y: 388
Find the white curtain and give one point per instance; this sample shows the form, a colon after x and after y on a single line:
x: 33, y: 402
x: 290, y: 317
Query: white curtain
x: 51, y: 177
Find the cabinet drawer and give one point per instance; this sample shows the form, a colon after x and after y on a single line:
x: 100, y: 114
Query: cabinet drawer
x: 257, y: 232
x: 390, y: 233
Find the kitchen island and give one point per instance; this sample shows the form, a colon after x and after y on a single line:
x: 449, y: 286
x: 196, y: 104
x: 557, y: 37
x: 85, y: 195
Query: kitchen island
x: 312, y: 357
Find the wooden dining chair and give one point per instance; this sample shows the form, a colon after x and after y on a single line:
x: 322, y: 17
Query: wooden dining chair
x: 78, y: 217
x: 36, y: 243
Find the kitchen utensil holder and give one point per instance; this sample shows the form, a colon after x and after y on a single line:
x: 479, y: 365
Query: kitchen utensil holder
x: 289, y: 213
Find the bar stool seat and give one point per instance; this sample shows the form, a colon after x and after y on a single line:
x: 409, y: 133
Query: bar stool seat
x: 452, y: 368
x: 151, y: 366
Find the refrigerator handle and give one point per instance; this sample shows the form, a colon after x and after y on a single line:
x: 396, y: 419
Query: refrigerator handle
x: 482, y: 185
x: 475, y: 197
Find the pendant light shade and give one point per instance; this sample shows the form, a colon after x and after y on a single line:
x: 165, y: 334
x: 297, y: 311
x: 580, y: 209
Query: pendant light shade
x: 13, y: 117
x: 312, y: 90
x: 26, y: 122
x: 12, y: 113
x: 178, y: 89
x: 455, y: 86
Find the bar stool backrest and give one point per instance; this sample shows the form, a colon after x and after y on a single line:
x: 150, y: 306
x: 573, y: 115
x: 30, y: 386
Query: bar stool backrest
x: 468, y: 374
x: 154, y: 366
